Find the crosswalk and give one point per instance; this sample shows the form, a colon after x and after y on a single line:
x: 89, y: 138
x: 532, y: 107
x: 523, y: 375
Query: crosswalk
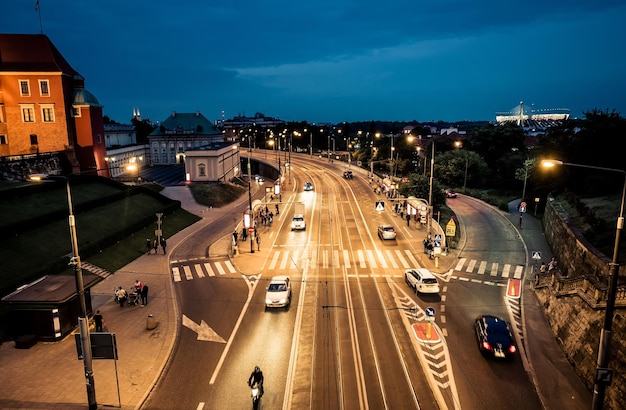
x: 190, y: 270
x: 485, y: 268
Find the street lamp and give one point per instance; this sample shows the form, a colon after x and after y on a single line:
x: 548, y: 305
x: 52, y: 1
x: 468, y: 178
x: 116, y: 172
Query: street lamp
x: 250, y: 196
x: 603, y: 373
x: 83, y: 321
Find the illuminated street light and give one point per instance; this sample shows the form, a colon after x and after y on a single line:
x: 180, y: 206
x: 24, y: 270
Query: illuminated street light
x: 83, y: 321
x: 603, y: 373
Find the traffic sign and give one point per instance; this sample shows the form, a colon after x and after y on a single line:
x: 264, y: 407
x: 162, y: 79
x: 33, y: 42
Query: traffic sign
x: 430, y: 311
x: 536, y: 255
x: 380, y: 206
x: 513, y: 289
x: 451, y: 228
x: 437, y: 244
x: 438, y: 237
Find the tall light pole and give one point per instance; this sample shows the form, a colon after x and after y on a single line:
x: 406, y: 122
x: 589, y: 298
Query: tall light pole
x: 603, y: 373
x: 250, y: 195
x: 83, y: 321
x: 430, y: 192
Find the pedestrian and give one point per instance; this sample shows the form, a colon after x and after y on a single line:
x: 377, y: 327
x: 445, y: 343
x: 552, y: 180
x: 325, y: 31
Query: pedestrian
x: 542, y: 268
x: 163, y: 245
x: 148, y: 247
x: 138, y: 286
x: 552, y: 265
x: 408, y: 220
x: 99, y: 321
x: 277, y: 210
x: 155, y: 245
x: 235, y: 235
x: 258, y: 242
x: 144, y: 295
x: 121, y: 296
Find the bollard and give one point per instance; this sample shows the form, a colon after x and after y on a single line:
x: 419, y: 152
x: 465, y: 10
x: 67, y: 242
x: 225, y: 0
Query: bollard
x: 151, y: 323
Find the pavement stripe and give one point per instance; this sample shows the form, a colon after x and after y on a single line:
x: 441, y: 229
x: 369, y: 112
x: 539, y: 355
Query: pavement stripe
x: 381, y: 259
x: 220, y: 269
x: 459, y: 265
x: 411, y: 258
x: 284, y: 260
x: 482, y: 268
x: 494, y: 269
x: 403, y: 261
x: 470, y: 267
x: 392, y: 259
x: 187, y: 271
x: 230, y: 267
x: 346, y: 259
x: 176, y: 274
x: 209, y: 269
x: 505, y: 270
x: 370, y: 258
x: 325, y: 259
x: 519, y: 271
x: 199, y: 271
x: 274, y: 260
x: 361, y: 255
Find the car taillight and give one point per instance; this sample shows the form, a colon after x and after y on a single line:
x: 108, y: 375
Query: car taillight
x: 486, y: 346
x: 512, y: 349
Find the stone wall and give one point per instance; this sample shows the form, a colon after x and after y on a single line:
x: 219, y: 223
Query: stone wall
x: 575, y: 319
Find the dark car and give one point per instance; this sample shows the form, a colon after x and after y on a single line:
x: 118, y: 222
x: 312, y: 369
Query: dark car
x: 347, y: 174
x: 494, y: 337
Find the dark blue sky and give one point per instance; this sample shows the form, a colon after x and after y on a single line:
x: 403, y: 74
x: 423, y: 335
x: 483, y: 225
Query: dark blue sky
x: 333, y: 61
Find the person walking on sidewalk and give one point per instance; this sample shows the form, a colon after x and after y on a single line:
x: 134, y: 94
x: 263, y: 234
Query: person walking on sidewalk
x: 148, y: 247
x: 155, y: 245
x: 144, y: 295
x: 97, y: 318
x: 163, y: 245
x: 258, y: 242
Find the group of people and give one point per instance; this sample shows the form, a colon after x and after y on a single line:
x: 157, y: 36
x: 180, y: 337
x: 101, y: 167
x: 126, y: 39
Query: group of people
x: 154, y: 245
x: 139, y: 293
x: 551, y: 267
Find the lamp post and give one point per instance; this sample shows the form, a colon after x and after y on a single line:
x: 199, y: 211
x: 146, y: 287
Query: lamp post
x: 250, y: 196
x: 603, y: 373
x: 430, y: 192
x: 83, y: 321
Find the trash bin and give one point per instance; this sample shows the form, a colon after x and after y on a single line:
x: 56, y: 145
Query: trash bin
x: 151, y: 323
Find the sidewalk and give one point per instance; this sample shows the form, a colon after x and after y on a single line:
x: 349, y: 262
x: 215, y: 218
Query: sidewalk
x: 50, y: 375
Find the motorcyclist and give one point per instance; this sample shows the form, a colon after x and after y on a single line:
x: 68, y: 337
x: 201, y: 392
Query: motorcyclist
x: 256, y: 377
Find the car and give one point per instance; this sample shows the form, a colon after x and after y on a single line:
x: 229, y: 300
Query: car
x: 386, y: 232
x: 450, y: 193
x: 494, y: 337
x: 308, y: 186
x: 347, y: 174
x: 421, y: 280
x: 298, y: 222
x: 259, y: 178
x: 278, y: 292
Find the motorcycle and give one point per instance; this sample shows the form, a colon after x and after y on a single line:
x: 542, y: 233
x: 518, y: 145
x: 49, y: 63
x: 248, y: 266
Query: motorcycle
x: 256, y: 394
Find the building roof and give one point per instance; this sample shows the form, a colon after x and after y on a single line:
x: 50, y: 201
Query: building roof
x: 31, y: 53
x: 186, y: 123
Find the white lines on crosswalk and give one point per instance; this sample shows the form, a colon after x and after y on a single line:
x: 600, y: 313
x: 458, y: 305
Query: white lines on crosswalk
x: 199, y: 271
x: 202, y: 270
x: 176, y: 274
x: 209, y: 269
x: 346, y: 259
x: 494, y: 271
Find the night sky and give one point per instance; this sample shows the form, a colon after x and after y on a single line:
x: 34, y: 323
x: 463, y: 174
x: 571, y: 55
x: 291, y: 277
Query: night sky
x: 333, y: 61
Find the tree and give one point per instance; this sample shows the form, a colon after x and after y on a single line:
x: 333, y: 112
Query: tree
x: 143, y: 128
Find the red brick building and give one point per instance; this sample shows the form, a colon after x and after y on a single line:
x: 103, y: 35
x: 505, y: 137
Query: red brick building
x: 44, y: 107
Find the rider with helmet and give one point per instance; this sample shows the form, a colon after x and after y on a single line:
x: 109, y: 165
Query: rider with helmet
x: 256, y: 377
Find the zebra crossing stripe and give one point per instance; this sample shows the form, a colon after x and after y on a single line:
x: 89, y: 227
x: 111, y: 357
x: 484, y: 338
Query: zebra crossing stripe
x: 482, y: 268
x: 230, y: 267
x: 188, y: 274
x: 209, y: 269
x: 274, y: 260
x: 519, y: 271
x: 370, y: 258
x: 381, y: 259
x: 346, y: 259
x: 325, y: 259
x: 176, y: 274
x: 411, y: 258
x: 361, y: 255
x: 336, y: 257
x: 391, y: 259
x: 284, y: 260
x: 402, y: 260
x: 459, y: 265
x: 199, y: 271
x: 494, y: 269
x: 220, y: 269
x: 470, y: 267
x: 505, y: 270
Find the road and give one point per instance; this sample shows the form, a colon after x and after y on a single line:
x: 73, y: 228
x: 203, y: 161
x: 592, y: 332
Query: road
x: 355, y: 335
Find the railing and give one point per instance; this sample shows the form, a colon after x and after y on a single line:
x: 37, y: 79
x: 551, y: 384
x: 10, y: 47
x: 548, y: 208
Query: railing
x: 588, y: 288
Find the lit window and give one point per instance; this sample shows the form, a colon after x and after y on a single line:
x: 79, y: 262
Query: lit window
x: 24, y: 88
x: 28, y: 114
x: 47, y: 114
x: 43, y: 88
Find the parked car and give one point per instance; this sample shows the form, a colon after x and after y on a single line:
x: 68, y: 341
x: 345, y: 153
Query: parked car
x: 386, y: 232
x: 450, y: 193
x: 421, y: 280
x: 308, y: 186
x: 278, y: 292
x: 494, y: 337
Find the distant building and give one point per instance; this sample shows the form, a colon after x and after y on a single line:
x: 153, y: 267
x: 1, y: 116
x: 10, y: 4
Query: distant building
x: 45, y: 108
x: 179, y: 133
x: 232, y: 128
x: 216, y: 162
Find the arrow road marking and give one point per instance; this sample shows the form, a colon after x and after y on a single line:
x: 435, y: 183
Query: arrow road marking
x: 205, y: 333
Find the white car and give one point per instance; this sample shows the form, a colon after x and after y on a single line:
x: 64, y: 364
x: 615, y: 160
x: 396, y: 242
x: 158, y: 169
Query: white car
x: 298, y: 222
x: 386, y: 232
x: 422, y: 280
x: 308, y: 186
x: 278, y: 292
